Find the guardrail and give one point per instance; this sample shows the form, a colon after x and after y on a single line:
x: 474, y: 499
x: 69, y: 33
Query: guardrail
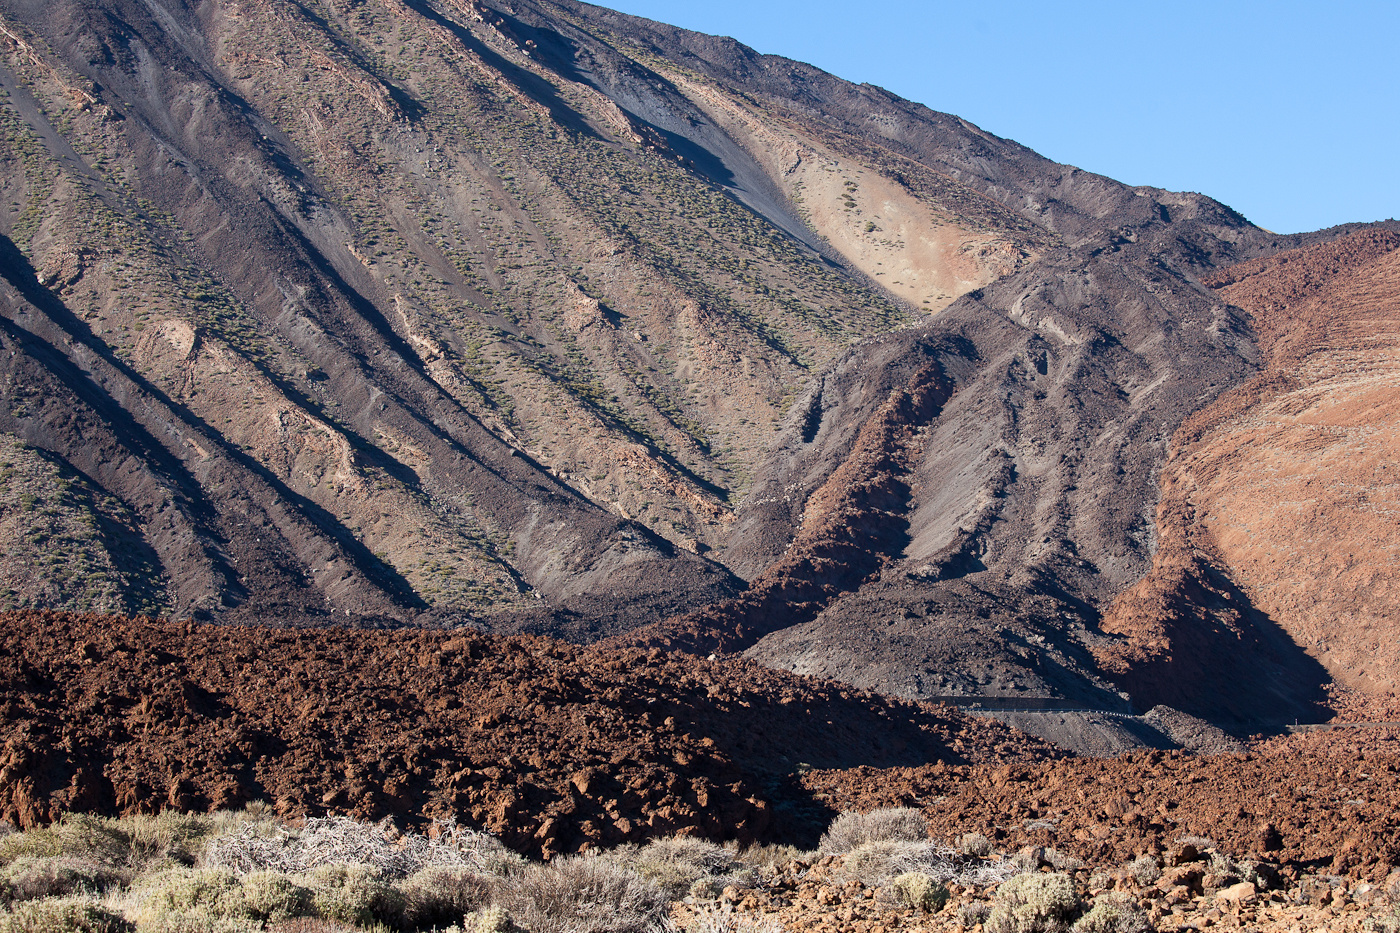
x: 1328, y: 726
x: 1092, y: 712
x: 1023, y: 704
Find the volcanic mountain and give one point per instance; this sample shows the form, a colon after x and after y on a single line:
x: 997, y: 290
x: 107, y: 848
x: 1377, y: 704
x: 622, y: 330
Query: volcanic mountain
x: 542, y: 319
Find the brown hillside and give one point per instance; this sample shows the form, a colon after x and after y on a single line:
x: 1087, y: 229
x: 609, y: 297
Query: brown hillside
x: 1286, y: 487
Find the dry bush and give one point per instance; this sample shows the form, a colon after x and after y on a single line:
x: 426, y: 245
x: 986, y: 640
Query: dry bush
x: 1199, y: 843
x: 584, y: 894
x: 167, y: 836
x: 1145, y: 870
x: 774, y: 855
x: 1033, y: 903
x: 1113, y: 913
x: 63, y: 915
x: 974, y: 912
x: 339, y: 840
x: 679, y: 863
x: 851, y: 829
x: 975, y: 844
x: 136, y: 842
x: 74, y: 836
x: 877, y: 862
x: 723, y: 918
x: 440, y: 897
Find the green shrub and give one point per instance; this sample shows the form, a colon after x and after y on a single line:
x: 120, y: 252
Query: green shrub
x: 1033, y: 903
x: 917, y: 890
x: 851, y: 829
x: 270, y: 896
x: 1113, y: 913
x: 213, y: 891
x: 63, y: 915
x: 356, y: 894
x: 488, y: 920
x: 28, y: 878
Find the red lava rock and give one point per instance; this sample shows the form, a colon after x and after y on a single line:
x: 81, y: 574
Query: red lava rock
x: 552, y: 747
x: 1331, y: 799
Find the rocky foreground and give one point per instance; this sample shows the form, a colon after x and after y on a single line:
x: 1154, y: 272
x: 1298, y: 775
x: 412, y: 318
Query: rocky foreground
x: 559, y: 749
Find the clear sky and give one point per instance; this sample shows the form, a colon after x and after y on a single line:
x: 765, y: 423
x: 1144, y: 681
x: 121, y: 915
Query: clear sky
x: 1288, y: 112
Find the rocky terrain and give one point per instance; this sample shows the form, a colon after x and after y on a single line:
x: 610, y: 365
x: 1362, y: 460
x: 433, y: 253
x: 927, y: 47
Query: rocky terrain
x: 555, y: 747
x: 594, y: 431
x: 558, y: 748
x: 551, y: 747
x: 1293, y: 565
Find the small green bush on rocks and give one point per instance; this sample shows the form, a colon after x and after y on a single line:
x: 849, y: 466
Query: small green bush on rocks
x: 917, y: 890
x: 1033, y: 903
x: 1113, y: 913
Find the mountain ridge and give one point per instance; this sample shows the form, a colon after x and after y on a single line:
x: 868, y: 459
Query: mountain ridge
x: 538, y: 318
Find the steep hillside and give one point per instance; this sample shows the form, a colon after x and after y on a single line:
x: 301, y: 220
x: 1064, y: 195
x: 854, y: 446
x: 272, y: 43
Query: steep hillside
x: 395, y: 307
x: 535, y: 317
x: 1285, y: 487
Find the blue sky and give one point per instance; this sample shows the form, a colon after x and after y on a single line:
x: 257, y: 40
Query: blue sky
x: 1288, y: 112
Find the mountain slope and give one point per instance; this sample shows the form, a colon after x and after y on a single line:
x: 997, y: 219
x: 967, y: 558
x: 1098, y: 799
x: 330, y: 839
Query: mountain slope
x: 1284, y: 487
x: 448, y: 301
x: 538, y: 317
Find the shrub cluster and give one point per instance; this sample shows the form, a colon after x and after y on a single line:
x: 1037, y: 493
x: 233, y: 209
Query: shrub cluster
x: 250, y: 873
x: 246, y: 873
